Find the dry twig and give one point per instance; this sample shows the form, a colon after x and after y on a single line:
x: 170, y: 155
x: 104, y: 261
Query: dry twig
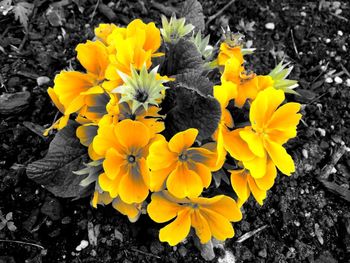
x: 211, y: 18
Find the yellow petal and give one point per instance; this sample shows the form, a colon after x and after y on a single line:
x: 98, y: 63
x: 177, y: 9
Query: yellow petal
x: 132, y: 188
x: 86, y: 134
x: 177, y: 230
x: 256, y: 166
x: 240, y: 185
x: 183, y: 140
x: 161, y: 209
x: 130, y: 210
x: 237, y: 147
x: 254, y: 141
x: 203, y: 155
x: 220, y: 227
x: 258, y: 194
x: 132, y: 134
x: 160, y: 156
x: 106, y: 138
x: 158, y: 178
x: 263, y: 107
x: 183, y: 182
x: 224, y: 206
x: 201, y: 226
x: 112, y: 163
x: 103, y: 31
x: 285, y: 117
x: 153, y: 39
x: 55, y: 99
x: 280, y: 157
x: 104, y: 182
x: 267, y: 181
x: 203, y: 172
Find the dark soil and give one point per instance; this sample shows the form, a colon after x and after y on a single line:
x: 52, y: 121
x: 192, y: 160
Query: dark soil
x: 306, y: 221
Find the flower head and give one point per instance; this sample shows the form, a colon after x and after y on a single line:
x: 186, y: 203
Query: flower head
x: 125, y: 147
x: 141, y: 89
x: 185, y: 170
x: 210, y: 217
x: 271, y: 127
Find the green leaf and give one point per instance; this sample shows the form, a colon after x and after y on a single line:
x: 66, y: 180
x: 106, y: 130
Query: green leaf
x: 55, y: 170
x: 22, y: 11
x: 191, y: 105
x: 193, y: 12
x: 180, y: 57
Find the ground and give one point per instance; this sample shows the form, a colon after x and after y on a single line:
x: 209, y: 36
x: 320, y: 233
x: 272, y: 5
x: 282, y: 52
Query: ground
x: 304, y: 219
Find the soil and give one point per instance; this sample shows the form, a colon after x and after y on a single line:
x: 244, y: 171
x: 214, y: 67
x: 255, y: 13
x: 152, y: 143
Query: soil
x: 304, y: 218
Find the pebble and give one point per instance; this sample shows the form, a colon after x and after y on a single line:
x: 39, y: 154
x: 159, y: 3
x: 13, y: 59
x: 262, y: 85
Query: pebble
x: 340, y: 33
x: 83, y: 244
x: 303, y: 14
x: 305, y: 153
x: 42, y: 80
x: 327, y: 40
x: 321, y: 131
x: 347, y: 82
x: 329, y: 80
x: 270, y: 26
x: 338, y: 80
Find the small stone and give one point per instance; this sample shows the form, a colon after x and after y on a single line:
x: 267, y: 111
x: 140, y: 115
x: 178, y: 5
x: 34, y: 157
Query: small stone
x: 83, y: 244
x: 42, y: 80
x: 327, y: 40
x: 305, y: 153
x: 338, y: 80
x: 303, y: 14
x: 321, y: 131
x: 270, y: 26
x: 347, y: 82
x: 340, y: 33
x: 263, y: 253
x: 329, y: 80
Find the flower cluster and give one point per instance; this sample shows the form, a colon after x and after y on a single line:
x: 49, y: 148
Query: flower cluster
x: 121, y: 102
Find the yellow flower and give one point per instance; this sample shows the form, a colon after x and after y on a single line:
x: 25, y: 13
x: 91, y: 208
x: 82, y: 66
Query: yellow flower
x: 270, y: 129
x: 103, y: 31
x: 244, y: 184
x: 132, y: 211
x: 132, y: 46
x: 184, y: 169
x: 125, y: 148
x: 226, y: 52
x: 248, y: 84
x: 72, y: 87
x: 210, y: 217
x: 223, y: 93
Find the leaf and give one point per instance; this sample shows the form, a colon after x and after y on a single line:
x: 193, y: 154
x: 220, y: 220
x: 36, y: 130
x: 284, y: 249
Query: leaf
x: 193, y: 106
x: 11, y: 226
x: 6, y: 7
x: 54, y: 171
x: 22, y: 11
x: 193, y: 12
x: 182, y: 56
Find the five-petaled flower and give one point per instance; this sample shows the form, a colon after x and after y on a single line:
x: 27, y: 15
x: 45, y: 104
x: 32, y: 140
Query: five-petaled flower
x: 210, y: 217
x: 125, y: 148
x: 183, y: 169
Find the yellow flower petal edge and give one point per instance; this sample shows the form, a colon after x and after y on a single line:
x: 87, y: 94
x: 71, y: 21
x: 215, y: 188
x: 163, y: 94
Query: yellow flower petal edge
x: 210, y: 217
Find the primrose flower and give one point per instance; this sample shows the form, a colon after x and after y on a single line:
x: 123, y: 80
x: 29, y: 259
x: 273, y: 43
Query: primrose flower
x: 125, y: 147
x: 231, y: 47
x: 103, y: 31
x: 271, y: 127
x: 141, y: 89
x: 174, y: 29
x: 243, y: 183
x: 248, y: 84
x: 72, y: 87
x: 210, y: 217
x: 132, y: 211
x: 133, y: 46
x: 185, y: 170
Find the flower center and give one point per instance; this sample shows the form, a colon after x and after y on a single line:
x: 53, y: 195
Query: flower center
x: 183, y: 157
x: 131, y: 159
x: 141, y: 95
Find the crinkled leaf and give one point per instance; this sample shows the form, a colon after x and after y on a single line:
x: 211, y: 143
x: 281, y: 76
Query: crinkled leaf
x: 193, y: 12
x: 22, y: 11
x: 182, y: 56
x: 54, y: 171
x: 192, y: 106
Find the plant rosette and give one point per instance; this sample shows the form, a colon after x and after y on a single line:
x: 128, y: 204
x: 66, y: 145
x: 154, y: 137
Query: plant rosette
x: 144, y: 128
